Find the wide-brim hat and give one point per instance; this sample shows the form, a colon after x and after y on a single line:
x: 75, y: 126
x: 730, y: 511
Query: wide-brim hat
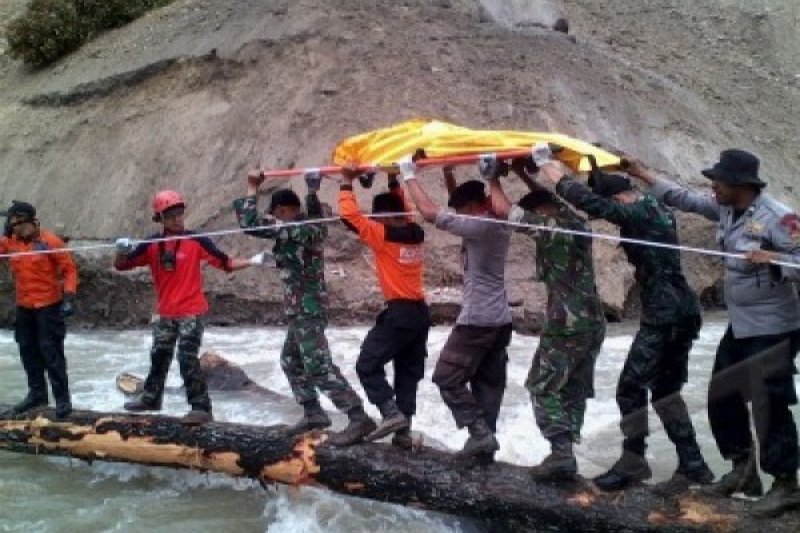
x: 735, y: 167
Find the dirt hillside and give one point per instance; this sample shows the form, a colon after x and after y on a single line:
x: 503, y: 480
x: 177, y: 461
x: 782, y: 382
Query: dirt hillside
x: 190, y: 96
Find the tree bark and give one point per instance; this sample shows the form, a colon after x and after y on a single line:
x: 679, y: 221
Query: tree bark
x: 501, y: 495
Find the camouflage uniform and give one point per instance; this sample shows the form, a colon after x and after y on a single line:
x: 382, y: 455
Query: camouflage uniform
x: 305, y: 358
x: 562, y: 375
x: 670, y: 319
x: 188, y: 333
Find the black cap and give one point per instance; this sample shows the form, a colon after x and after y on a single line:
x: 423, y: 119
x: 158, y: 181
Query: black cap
x: 283, y: 197
x: 472, y: 191
x: 387, y: 202
x: 735, y: 167
x: 538, y: 198
x: 20, y: 209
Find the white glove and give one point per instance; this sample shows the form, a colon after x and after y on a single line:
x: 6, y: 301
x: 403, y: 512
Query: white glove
x: 488, y: 166
x: 124, y: 245
x: 407, y: 168
x: 313, y: 179
x: 263, y: 259
x: 542, y: 154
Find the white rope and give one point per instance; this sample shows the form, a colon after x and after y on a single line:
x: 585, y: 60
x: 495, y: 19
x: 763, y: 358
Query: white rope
x: 538, y: 227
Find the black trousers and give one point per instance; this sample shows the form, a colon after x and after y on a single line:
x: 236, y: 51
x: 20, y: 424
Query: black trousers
x: 759, y: 369
x: 40, y: 335
x: 471, y: 372
x: 658, y: 363
x: 400, y: 336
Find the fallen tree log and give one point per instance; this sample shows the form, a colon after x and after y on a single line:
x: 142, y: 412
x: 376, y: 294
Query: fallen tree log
x: 500, y: 495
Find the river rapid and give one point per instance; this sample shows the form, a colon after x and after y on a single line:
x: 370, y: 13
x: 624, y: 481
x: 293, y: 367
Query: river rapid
x: 45, y: 494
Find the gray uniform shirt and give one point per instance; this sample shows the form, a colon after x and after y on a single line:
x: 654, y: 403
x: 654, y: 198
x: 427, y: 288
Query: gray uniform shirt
x: 761, y: 299
x: 483, y: 256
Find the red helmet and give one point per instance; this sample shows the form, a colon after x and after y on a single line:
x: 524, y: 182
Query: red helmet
x: 163, y: 200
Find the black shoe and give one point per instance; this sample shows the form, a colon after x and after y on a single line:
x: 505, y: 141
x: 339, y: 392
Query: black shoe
x: 628, y: 470
x: 388, y: 426
x: 63, y: 410
x: 141, y: 405
x: 354, y: 433
x: 743, y: 478
x: 197, y: 417
x: 784, y: 495
x: 555, y: 467
x: 30, y: 402
x: 402, y: 439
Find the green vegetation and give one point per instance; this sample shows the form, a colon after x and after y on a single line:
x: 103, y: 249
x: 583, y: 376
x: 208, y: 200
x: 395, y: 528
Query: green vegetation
x: 51, y: 29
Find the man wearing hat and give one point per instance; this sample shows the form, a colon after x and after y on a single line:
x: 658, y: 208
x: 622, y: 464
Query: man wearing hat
x: 561, y: 378
x: 299, y: 254
x: 46, y: 283
x: 670, y: 321
x: 471, y: 370
x: 755, y: 359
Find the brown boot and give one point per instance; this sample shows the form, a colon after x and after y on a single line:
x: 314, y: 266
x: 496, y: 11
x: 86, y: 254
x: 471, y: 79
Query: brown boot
x: 630, y: 469
x: 560, y: 465
x: 359, y: 427
x: 481, y: 441
x: 393, y: 420
x: 197, y: 417
x: 314, y: 417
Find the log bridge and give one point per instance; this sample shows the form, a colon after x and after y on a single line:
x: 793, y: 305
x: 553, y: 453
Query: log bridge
x: 500, y: 495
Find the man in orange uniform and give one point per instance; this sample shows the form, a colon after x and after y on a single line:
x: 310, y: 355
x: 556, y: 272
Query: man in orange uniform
x: 400, y: 333
x: 176, y: 265
x: 45, y: 285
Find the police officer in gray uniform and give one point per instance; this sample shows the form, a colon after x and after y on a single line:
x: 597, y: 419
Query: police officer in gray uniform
x: 755, y: 359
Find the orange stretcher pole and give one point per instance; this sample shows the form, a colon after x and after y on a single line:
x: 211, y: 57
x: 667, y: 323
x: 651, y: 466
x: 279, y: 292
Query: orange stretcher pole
x: 454, y: 160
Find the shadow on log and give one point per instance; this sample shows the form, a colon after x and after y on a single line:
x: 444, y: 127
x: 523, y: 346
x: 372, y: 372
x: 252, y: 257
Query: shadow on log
x: 500, y: 495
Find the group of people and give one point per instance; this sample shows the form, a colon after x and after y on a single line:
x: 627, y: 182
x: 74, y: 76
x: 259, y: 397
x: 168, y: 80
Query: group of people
x: 754, y: 362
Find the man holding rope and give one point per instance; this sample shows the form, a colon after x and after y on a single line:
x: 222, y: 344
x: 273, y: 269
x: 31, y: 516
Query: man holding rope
x: 755, y: 358
x: 175, y: 257
x: 658, y: 359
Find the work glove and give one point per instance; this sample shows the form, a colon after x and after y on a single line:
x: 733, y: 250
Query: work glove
x: 407, y: 168
x: 366, y: 179
x: 124, y: 245
x: 263, y: 259
x: 541, y: 154
x: 67, y: 306
x: 491, y: 168
x: 313, y: 179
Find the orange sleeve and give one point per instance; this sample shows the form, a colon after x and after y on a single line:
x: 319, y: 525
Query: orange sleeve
x: 371, y: 232
x: 65, y: 263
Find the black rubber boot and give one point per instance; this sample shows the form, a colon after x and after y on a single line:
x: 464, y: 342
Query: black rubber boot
x: 31, y: 401
x: 63, y: 410
x: 481, y: 442
x: 692, y: 470
x: 197, y: 417
x: 314, y: 417
x: 630, y: 469
x: 784, y: 495
x: 403, y: 439
x: 560, y: 465
x: 743, y: 478
x: 393, y: 420
x: 141, y: 405
x: 359, y: 427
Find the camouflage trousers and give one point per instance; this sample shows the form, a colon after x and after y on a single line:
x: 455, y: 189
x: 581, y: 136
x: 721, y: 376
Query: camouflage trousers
x: 306, y: 361
x: 560, y: 381
x: 657, y: 363
x: 188, y: 334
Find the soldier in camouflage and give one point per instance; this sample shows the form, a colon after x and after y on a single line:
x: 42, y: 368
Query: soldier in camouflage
x: 562, y: 374
x: 298, y: 253
x: 658, y: 358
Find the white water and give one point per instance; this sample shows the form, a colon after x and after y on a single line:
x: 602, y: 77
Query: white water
x: 40, y: 494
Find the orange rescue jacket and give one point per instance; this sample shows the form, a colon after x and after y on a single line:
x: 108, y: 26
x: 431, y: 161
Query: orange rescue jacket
x: 398, y: 251
x: 40, y: 279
